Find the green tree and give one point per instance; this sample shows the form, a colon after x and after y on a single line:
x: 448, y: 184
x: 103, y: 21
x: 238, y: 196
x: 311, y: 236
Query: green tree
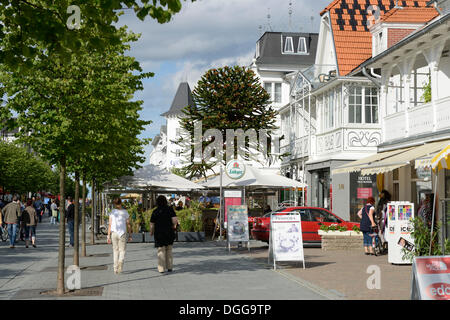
x: 27, y: 24
x: 22, y: 171
x: 80, y: 116
x: 225, y: 98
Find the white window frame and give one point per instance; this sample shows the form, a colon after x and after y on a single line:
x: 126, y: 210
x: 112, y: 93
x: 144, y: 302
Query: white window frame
x: 302, y: 40
x: 291, y: 41
x: 368, y: 93
x: 365, y: 91
x: 272, y: 91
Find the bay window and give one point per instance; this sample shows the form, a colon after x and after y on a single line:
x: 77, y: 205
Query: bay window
x: 363, y: 105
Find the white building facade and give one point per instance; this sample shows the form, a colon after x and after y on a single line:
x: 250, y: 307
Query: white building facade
x: 415, y: 107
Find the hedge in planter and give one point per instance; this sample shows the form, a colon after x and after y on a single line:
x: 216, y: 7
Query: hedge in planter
x: 191, y: 219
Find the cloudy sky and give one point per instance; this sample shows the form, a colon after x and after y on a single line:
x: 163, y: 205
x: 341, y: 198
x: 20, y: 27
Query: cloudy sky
x: 207, y: 34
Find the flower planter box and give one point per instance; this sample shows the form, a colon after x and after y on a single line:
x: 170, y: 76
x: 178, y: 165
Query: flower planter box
x: 337, y: 240
x: 182, y: 237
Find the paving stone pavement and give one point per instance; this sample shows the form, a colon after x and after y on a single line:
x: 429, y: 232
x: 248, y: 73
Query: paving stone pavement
x: 202, y: 271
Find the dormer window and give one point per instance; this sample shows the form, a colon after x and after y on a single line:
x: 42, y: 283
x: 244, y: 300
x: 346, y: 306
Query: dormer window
x: 257, y: 50
x: 289, y: 45
x: 302, y: 45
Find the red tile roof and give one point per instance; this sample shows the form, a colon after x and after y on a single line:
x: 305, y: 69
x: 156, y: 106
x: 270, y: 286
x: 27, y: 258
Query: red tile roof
x: 349, y: 21
x: 410, y: 15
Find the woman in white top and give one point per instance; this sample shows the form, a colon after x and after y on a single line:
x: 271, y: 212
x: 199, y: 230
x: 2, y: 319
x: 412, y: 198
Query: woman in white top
x: 119, y: 221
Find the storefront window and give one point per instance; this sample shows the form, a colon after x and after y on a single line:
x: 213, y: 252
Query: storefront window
x: 320, y: 189
x: 361, y: 187
x: 420, y: 185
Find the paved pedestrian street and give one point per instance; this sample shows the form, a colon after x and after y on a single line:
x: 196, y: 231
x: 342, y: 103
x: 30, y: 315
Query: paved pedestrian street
x: 202, y: 271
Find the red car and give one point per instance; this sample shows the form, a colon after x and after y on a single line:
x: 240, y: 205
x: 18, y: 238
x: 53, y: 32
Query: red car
x: 312, y: 219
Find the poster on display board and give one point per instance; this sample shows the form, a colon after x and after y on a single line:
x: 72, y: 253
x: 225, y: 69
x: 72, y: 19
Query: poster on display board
x: 231, y: 198
x: 399, y: 231
x: 237, y: 230
x: 431, y: 278
x: 286, y: 239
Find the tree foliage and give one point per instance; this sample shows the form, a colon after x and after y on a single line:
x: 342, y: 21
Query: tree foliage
x: 83, y: 111
x: 225, y: 98
x: 27, y: 24
x: 22, y: 171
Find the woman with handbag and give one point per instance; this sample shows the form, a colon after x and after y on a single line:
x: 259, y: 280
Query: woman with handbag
x: 163, y: 224
x: 368, y: 224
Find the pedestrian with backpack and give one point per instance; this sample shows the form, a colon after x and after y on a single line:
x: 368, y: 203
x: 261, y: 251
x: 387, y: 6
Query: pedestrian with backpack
x: 12, y: 215
x: 30, y: 220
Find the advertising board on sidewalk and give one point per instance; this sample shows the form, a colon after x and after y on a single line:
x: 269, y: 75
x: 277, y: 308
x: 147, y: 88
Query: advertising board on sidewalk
x: 286, y: 240
x: 237, y: 225
x: 431, y: 278
x: 399, y: 230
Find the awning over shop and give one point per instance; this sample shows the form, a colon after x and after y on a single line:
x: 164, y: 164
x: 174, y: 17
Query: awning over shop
x: 425, y: 162
x: 441, y: 160
x: 361, y: 163
x: 404, y: 158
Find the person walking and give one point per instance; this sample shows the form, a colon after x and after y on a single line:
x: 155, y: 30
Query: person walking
x: 368, y: 224
x: 39, y: 207
x: 381, y: 215
x: 54, y: 211
x: 11, y: 215
x: 70, y: 219
x: 119, y: 223
x: 163, y: 224
x: 30, y: 220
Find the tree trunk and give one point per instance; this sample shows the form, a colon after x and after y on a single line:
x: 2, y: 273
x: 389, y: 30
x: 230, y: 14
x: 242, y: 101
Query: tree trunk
x: 83, y: 219
x: 93, y: 213
x: 62, y: 228
x: 76, y: 227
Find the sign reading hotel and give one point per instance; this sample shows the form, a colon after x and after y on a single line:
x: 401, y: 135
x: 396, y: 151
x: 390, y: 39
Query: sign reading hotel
x: 235, y: 169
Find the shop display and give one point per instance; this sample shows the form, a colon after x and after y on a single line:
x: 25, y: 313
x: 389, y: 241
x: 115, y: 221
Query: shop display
x: 399, y: 230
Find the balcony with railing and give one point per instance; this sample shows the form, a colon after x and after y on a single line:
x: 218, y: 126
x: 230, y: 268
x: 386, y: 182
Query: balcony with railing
x: 426, y: 118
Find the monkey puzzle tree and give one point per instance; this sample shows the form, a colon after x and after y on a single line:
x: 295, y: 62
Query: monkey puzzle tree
x: 229, y: 98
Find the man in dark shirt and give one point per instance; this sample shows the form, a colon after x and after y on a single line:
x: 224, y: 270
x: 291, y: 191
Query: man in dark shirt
x: 70, y: 214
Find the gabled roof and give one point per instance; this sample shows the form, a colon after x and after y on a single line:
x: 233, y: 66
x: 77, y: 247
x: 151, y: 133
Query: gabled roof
x: 182, y: 99
x: 349, y: 22
x: 271, y: 49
